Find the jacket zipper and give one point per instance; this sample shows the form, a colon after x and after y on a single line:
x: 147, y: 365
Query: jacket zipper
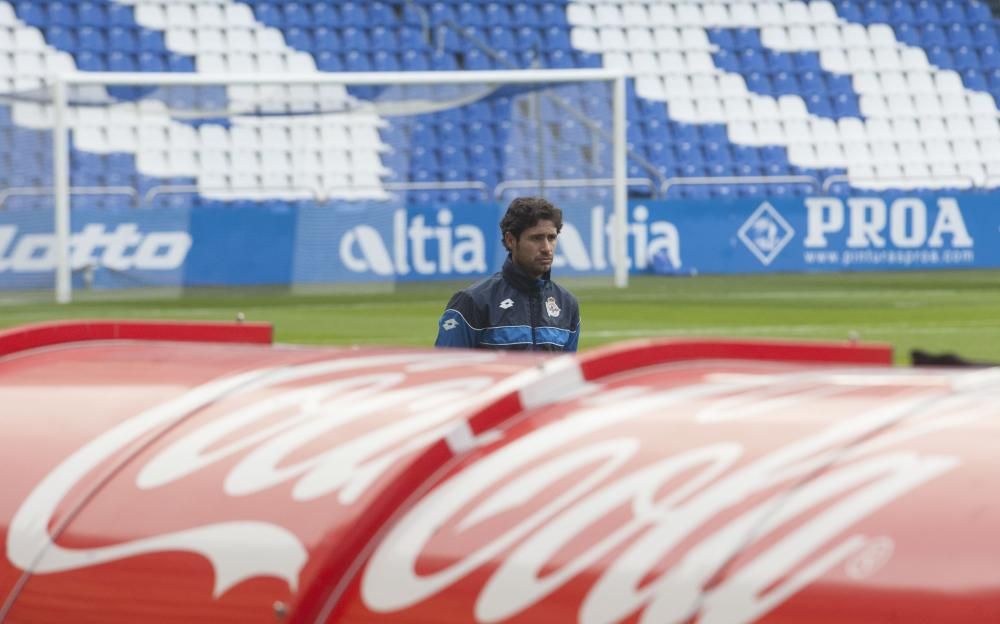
x: 535, y: 302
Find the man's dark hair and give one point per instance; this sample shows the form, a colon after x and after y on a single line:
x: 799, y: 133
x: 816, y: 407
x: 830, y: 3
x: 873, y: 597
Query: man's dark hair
x: 526, y: 212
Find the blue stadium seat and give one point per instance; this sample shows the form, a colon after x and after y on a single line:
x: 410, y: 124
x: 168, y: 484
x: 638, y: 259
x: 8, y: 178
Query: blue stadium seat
x: 875, y: 12
x: 91, y: 39
x: 759, y: 82
x: 747, y: 39
x: 722, y: 191
x: 123, y: 39
x: 476, y: 60
x: 752, y: 60
x: 785, y: 83
x: 746, y: 168
x: 781, y: 190
x: 31, y: 13
x: 658, y: 131
x: 778, y: 62
x: 326, y: 39
x: 451, y: 133
x: 552, y: 14
x: 726, y: 60
x: 497, y: 14
x: 940, y: 56
x: 410, y: 38
x: 328, y: 60
x: 712, y: 133
x: 383, y: 38
x: 118, y: 161
x: 901, y: 12
x: 481, y: 154
x: 908, y: 34
x: 558, y: 59
x: 952, y: 12
x: 61, y: 14
x: 819, y: 104
x: 984, y: 33
x: 381, y: 14
x: 269, y: 13
x: 300, y: 38
x: 973, y: 79
x: 449, y: 39
x: 414, y: 60
x: 412, y: 15
x: 722, y: 37
x: 355, y: 39
x: 481, y: 133
x: 480, y: 111
x: 91, y: 61
x: 838, y: 83
x: 965, y: 57
x: 357, y: 61
x: 423, y: 134
x: 718, y: 154
x: 806, y: 61
x: 180, y: 62
x: 958, y: 35
x: 444, y: 61
x: 927, y: 12
x: 526, y: 15
x: 151, y: 41
x: 385, y: 61
x: 92, y: 14
x: 470, y: 14
x: 325, y: 14
x: 978, y: 12
x: 296, y: 14
x: 989, y: 57
x: 122, y: 62
x: 846, y: 105
x: 440, y: 13
x: 527, y: 38
x: 812, y: 82
x: 501, y: 38
x: 557, y: 38
x: 931, y: 34
x: 587, y: 59
x: 353, y: 14
x: 695, y: 191
x: 690, y: 153
x: 61, y: 37
x: 993, y: 78
x: 774, y: 158
x: 152, y: 62
x: 425, y: 166
x: 750, y: 190
x: 120, y: 15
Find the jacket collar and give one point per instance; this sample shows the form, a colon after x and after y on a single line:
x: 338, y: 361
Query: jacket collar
x: 520, y: 280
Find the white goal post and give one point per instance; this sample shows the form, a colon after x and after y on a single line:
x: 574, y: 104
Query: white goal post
x: 64, y: 86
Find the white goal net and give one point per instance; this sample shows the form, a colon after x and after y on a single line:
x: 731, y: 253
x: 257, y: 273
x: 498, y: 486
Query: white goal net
x: 151, y: 174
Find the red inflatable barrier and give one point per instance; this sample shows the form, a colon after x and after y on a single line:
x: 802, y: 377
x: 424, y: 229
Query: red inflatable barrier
x: 196, y: 472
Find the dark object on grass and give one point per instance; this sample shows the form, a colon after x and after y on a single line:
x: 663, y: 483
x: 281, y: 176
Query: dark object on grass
x: 923, y: 358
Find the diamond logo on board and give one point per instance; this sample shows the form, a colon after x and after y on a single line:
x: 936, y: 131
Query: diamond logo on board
x: 766, y: 233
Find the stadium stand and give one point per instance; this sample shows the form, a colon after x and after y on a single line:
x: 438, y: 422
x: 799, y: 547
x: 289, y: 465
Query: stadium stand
x: 856, y: 94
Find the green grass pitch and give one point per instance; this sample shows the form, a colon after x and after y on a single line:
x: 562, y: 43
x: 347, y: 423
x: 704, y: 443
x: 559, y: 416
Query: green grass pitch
x: 957, y: 312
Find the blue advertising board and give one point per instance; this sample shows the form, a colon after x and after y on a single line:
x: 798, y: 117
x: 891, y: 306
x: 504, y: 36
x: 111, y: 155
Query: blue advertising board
x: 827, y: 234
x: 286, y: 244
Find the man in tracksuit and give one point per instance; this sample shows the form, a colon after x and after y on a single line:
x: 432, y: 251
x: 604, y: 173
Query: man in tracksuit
x: 519, y: 308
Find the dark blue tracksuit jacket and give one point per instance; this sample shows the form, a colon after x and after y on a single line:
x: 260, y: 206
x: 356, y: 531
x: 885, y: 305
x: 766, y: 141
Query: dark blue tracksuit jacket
x: 511, y: 310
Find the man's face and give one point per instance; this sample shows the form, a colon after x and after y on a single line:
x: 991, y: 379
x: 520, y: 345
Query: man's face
x: 533, y: 251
